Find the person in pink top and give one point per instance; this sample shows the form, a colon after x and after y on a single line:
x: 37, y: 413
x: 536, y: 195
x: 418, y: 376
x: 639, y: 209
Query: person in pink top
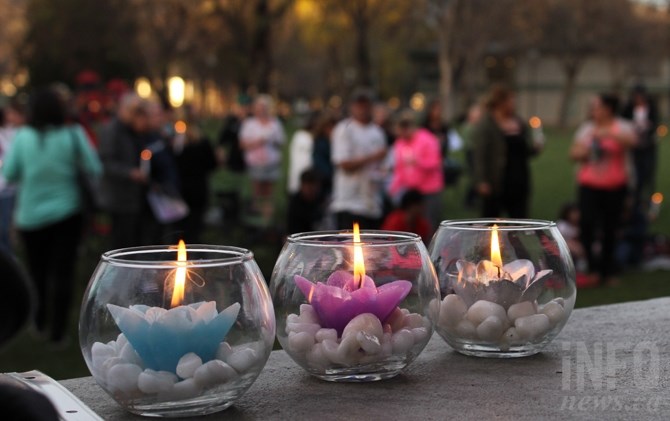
x: 601, y: 148
x: 417, y: 161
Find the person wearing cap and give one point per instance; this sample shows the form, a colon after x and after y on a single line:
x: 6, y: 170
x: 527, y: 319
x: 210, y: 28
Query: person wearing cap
x: 417, y: 165
x: 358, y: 149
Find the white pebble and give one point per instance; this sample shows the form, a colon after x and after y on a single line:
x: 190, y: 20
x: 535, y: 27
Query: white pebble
x: 329, y: 348
x: 366, y: 322
x: 348, y: 351
x: 396, y: 320
x: 452, y: 310
x: 310, y: 328
x: 414, y: 320
x: 522, y: 309
x: 187, y: 365
x: 185, y: 389
x: 316, y: 357
x: 465, y: 329
x: 369, y: 343
x: 404, y: 311
x: 242, y: 359
x: 490, y: 329
x: 224, y: 351
x: 121, y: 341
x: 107, y: 364
x: 482, y: 309
x: 532, y: 327
x: 511, y: 336
x: 300, y: 342
x: 214, y: 372
x: 560, y: 301
x: 129, y: 354
x: 101, y: 352
x: 554, y: 311
x: 324, y: 334
x: 293, y: 318
x: 402, y: 341
x: 308, y: 315
x: 123, y: 377
x: 420, y: 334
x: 152, y: 382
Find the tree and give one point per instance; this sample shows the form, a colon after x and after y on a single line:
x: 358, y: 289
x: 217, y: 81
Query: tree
x: 68, y: 36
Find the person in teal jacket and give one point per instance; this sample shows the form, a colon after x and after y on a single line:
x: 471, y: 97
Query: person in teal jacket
x: 44, y: 161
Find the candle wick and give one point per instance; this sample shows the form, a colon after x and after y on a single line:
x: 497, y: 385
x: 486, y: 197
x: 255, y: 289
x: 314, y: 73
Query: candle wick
x: 498, y: 267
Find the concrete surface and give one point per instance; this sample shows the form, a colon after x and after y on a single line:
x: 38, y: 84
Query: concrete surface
x: 610, y: 362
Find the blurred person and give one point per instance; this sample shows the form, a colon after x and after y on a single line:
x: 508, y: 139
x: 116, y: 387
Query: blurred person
x: 568, y: 224
x: 230, y: 150
x: 196, y: 161
x: 409, y: 216
x: 45, y: 159
x: 417, y: 166
x: 642, y: 112
x: 600, y: 148
x: 261, y: 138
x: 300, y: 153
x: 321, y: 153
x: 14, y: 116
x: 304, y: 207
x: 124, y: 182
x: 449, y: 139
x: 381, y: 116
x: 502, y: 147
x: 472, y: 118
x: 358, y: 148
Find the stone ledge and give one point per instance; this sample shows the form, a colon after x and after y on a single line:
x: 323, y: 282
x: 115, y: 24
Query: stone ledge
x: 443, y: 384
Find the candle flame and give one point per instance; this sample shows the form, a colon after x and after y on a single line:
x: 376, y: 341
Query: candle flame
x: 359, y: 263
x: 496, y: 259
x: 180, y: 276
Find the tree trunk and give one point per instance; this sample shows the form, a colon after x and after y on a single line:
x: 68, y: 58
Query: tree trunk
x: 445, y: 66
x: 261, y: 51
x: 571, y: 71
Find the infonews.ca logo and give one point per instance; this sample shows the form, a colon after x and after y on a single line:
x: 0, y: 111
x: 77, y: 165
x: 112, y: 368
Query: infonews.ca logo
x: 594, y: 375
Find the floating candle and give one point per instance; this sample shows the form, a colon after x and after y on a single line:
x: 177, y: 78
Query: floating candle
x: 345, y: 296
x: 162, y: 337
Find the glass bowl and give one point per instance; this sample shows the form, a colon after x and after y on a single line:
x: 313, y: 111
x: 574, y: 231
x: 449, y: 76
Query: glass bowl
x: 507, y: 286
x: 346, y: 324
x: 176, y: 333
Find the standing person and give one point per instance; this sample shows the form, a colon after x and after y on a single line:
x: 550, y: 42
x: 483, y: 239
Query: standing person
x: 261, y: 138
x: 502, y: 148
x: 304, y: 207
x: 300, y: 153
x: 124, y: 181
x: 471, y: 121
x: 358, y: 149
x: 14, y: 117
x: 196, y: 161
x: 321, y: 156
x: 641, y: 110
x: 45, y: 159
x: 600, y: 147
x: 410, y: 216
x: 230, y: 150
x: 417, y: 166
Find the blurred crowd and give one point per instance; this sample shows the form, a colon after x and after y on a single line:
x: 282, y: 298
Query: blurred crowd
x: 149, y: 173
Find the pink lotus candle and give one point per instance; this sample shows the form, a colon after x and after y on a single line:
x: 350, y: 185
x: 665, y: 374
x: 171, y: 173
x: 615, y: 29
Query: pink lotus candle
x: 345, y: 296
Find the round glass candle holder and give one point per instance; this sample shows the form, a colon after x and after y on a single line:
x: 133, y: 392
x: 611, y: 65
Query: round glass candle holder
x: 507, y: 286
x: 162, y: 350
x: 341, y: 326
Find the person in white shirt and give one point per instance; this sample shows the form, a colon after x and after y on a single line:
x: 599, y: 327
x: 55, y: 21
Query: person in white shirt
x: 300, y: 153
x: 358, y: 149
x: 261, y: 138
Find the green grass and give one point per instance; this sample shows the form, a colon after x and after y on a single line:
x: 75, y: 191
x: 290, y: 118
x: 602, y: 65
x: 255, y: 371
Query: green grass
x: 553, y: 177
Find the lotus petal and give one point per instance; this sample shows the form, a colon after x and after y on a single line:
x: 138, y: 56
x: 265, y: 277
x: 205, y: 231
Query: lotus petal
x: 466, y: 269
x: 488, y: 272
x: 537, y: 286
x: 502, y: 292
x: 518, y: 268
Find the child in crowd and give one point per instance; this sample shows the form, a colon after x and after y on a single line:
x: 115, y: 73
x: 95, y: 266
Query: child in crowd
x: 305, y: 207
x: 410, y: 216
x: 568, y: 225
